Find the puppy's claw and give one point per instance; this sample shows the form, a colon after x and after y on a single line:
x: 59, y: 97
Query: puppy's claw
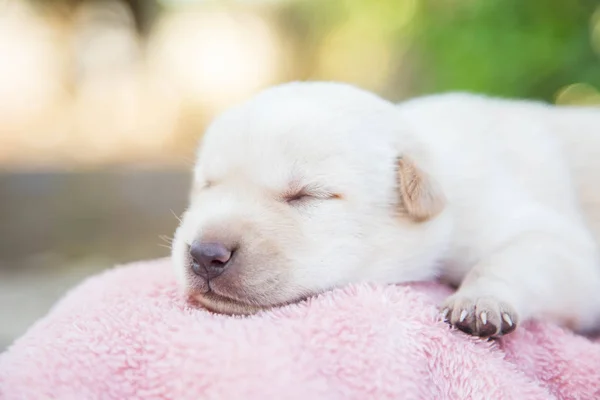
x: 507, y: 318
x: 483, y: 317
x: 463, y: 315
x: 445, y: 314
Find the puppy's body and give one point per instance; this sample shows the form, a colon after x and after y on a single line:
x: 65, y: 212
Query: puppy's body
x: 316, y: 185
x: 522, y: 197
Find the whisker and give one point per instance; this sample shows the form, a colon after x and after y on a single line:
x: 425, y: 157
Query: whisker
x: 190, y: 161
x: 166, y: 238
x: 176, y: 216
x: 165, y: 246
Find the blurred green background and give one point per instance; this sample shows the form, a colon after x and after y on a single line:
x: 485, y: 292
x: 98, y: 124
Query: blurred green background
x: 102, y: 102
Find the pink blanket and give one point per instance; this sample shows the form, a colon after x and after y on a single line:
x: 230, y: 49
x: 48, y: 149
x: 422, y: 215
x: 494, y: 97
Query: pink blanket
x: 126, y: 334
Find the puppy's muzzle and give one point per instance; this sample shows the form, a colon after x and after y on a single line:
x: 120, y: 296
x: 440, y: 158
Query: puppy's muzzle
x: 209, y: 260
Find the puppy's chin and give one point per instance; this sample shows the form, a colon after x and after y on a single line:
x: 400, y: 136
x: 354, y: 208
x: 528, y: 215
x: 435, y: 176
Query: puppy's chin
x: 223, y: 305
x: 220, y: 304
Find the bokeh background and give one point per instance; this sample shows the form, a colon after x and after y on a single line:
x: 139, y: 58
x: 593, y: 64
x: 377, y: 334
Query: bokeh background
x: 102, y: 102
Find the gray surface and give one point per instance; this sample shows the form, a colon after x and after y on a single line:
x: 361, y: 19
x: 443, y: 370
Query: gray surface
x: 56, y: 228
x: 26, y: 297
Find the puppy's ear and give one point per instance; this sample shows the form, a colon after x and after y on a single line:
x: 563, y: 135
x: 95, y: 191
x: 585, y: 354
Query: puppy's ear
x: 420, y: 197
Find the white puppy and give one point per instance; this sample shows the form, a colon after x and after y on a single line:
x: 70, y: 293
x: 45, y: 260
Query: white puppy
x: 310, y: 186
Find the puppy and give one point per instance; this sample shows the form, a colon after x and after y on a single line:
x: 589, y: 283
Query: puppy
x: 311, y: 186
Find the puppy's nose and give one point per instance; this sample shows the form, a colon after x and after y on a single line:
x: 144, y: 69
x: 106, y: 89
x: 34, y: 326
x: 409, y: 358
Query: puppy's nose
x: 209, y: 259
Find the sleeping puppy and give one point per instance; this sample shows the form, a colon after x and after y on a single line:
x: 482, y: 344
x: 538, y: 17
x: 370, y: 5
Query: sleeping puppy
x: 311, y: 186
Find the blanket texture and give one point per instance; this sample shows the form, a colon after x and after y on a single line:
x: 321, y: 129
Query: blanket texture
x: 127, y: 334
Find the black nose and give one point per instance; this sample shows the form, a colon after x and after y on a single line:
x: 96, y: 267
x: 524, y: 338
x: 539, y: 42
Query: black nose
x: 209, y: 259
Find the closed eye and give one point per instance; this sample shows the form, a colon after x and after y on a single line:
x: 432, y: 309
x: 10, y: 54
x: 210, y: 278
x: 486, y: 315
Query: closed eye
x: 296, y: 197
x: 310, y: 193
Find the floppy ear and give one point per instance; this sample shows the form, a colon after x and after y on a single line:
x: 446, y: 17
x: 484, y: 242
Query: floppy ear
x: 420, y: 197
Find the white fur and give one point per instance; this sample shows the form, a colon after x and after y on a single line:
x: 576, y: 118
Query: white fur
x: 518, y: 230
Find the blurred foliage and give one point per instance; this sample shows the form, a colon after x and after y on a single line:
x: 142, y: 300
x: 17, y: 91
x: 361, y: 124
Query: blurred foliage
x: 401, y: 48
x: 506, y: 47
x: 510, y: 48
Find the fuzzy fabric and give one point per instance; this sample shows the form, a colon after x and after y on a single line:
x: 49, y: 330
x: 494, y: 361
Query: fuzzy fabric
x: 127, y: 334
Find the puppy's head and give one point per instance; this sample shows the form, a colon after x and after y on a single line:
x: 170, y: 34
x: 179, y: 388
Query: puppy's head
x: 305, y: 187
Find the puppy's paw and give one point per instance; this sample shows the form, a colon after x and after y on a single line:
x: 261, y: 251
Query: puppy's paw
x: 483, y: 316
